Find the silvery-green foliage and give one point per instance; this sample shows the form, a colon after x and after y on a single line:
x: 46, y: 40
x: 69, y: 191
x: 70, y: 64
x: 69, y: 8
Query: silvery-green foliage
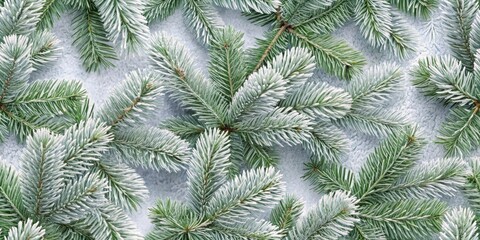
x: 454, y: 79
x: 98, y: 25
x: 217, y: 207
x: 274, y: 105
x: 24, y: 106
x: 56, y: 195
x: 201, y: 16
x: 396, y: 199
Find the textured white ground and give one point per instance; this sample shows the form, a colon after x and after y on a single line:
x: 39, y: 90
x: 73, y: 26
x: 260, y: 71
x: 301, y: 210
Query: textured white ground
x: 428, y: 115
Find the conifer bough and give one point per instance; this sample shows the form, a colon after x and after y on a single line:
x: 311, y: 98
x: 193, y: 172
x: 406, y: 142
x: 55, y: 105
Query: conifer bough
x: 56, y: 195
x: 218, y: 208
x: 133, y: 144
x: 200, y: 15
x: 310, y: 23
x: 396, y: 199
x: 98, y: 25
x: 273, y: 105
x: 455, y: 79
x: 24, y: 106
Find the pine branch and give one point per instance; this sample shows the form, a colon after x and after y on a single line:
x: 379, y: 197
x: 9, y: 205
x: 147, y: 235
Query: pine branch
x: 257, y: 156
x: 262, y: 6
x: 460, y: 132
x: 334, y: 56
x: 26, y: 230
x: 374, y: 19
x: 77, y: 198
x: 319, y: 101
x: 296, y: 65
x: 375, y: 86
x: 457, y: 21
x: 432, y: 179
x: 50, y: 12
x: 127, y: 22
x: 210, y: 161
x: 186, y: 127
x: 160, y: 9
x: 15, y: 66
x: 202, y: 19
x: 127, y: 188
x: 328, y: 176
x: 42, y: 163
x: 187, y: 86
x: 397, y: 220
x: 235, y: 199
x: 334, y: 217
x: 90, y: 38
x: 19, y: 17
x: 44, y: 49
x: 227, y: 64
x: 459, y: 223
x: 472, y: 186
x: 417, y: 8
x: 151, y: 148
x: 85, y: 142
x: 259, y: 94
x: 390, y: 160
x: 326, y: 141
x: 286, y: 213
x: 218, y: 208
x: 130, y: 103
x: 50, y: 97
x: 446, y: 79
x: 11, y: 205
x: 278, y: 126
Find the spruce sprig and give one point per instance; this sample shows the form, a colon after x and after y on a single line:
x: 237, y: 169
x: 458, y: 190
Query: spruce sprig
x: 98, y: 25
x: 133, y: 143
x: 310, y: 24
x: 56, y: 197
x: 218, y: 208
x: 396, y: 198
x: 200, y: 15
x: 454, y: 80
x: 24, y: 106
x: 274, y: 105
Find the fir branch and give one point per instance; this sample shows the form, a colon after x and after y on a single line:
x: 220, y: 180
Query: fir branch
x: 127, y: 22
x: 457, y: 21
x: 459, y: 223
x: 227, y: 68
x: 90, y: 38
x: 210, y: 160
x: 26, y: 230
x: 160, y: 9
x: 417, y: 8
x: 395, y: 217
x: 326, y: 141
x: 460, y: 133
x: 218, y: 207
x: 129, y: 103
x: 151, y: 148
x: 11, y: 205
x: 19, y: 17
x: 201, y: 18
x: 127, y: 188
x: 262, y: 6
x: 44, y: 48
x: 43, y: 165
x: 374, y: 20
x: 286, y: 213
x: 50, y: 12
x: 333, y: 217
x: 187, y: 86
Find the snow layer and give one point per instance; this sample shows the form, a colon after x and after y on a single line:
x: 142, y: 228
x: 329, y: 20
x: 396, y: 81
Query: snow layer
x: 426, y: 114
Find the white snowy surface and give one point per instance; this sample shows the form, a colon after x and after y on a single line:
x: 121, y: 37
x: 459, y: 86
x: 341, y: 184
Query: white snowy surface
x: 426, y: 114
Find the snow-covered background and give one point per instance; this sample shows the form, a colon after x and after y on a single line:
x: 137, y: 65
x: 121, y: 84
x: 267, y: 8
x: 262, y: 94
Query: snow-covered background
x: 426, y: 114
